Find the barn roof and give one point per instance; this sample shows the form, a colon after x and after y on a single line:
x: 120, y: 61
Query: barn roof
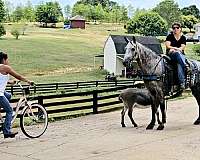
x: 150, y: 42
x: 77, y: 18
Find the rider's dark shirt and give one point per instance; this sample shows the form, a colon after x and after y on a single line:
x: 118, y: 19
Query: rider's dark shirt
x: 174, y: 42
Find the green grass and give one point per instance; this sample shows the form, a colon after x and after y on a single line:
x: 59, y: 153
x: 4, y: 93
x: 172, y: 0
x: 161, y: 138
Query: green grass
x: 55, y: 54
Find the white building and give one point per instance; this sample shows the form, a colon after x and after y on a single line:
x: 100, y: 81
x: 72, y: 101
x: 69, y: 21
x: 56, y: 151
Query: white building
x: 114, y: 50
x: 197, y: 31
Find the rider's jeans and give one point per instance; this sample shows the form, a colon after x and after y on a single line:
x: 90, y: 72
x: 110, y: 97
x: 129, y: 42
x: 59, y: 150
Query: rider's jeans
x: 179, y: 58
x: 4, y: 102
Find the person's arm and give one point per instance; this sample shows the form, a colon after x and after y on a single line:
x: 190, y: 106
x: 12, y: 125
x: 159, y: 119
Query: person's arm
x: 12, y: 72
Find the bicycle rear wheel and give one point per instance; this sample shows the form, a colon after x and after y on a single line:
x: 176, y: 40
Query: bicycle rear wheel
x: 34, y: 120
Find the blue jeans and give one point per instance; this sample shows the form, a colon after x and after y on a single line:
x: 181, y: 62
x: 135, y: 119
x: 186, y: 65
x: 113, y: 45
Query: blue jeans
x: 4, y: 102
x: 179, y: 58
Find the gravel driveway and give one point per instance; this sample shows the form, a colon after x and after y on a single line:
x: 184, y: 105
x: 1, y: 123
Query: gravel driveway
x: 101, y: 137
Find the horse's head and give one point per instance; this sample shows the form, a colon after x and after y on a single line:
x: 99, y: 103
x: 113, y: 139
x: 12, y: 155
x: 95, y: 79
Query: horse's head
x: 130, y: 51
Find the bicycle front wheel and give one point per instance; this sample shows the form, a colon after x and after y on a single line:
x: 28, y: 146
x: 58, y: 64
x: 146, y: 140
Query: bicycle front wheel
x: 34, y: 120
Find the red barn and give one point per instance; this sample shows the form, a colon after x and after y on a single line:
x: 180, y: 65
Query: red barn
x: 77, y: 22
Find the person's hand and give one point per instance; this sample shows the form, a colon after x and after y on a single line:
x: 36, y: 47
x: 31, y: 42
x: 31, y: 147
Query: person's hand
x: 12, y: 82
x: 31, y: 83
x: 172, y: 50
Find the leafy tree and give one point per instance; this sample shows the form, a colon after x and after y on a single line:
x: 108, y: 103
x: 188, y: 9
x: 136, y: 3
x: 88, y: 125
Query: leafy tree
x: 48, y: 13
x: 15, y: 33
x: 67, y: 11
x: 148, y: 24
x: 29, y: 12
x: 2, y: 11
x: 189, y: 21
x: 104, y: 3
x: 18, y: 14
x: 130, y: 10
x: 169, y: 10
x: 191, y: 10
x: 2, y: 30
x: 8, y: 10
x: 83, y: 10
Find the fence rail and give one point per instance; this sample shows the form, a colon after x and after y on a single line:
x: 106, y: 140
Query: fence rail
x: 67, y: 87
x: 86, y: 102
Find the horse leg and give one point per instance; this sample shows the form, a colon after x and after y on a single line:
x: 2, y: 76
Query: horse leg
x: 130, y: 111
x: 153, y: 120
x: 122, y: 116
x: 162, y: 108
x: 158, y: 118
x: 196, y: 93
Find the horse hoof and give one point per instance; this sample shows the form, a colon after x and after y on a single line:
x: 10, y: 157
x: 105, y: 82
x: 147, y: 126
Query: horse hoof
x: 197, y: 122
x: 150, y: 126
x: 123, y: 125
x: 160, y: 127
x: 164, y: 121
x: 135, y: 125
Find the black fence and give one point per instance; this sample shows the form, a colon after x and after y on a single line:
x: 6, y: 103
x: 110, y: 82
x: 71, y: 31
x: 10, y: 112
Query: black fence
x: 78, y: 103
x: 68, y: 87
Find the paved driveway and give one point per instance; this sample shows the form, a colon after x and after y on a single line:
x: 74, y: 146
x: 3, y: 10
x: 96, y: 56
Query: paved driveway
x: 100, y: 137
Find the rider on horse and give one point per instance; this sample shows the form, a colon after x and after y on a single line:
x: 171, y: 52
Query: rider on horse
x: 175, y: 46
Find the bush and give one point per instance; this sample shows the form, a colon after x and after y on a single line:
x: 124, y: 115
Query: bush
x: 196, y: 49
x: 66, y: 21
x: 15, y: 33
x: 2, y: 30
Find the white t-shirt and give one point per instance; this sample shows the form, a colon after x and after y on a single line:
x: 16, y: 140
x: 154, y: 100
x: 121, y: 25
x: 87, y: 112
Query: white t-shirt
x: 3, y: 82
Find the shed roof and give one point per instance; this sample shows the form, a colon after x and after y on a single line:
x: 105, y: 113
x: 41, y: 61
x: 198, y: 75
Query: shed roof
x: 77, y: 18
x: 150, y: 42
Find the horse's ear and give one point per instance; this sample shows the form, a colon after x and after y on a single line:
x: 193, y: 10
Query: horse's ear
x: 126, y: 39
x: 134, y: 40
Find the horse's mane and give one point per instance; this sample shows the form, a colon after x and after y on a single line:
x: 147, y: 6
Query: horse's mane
x: 148, y: 53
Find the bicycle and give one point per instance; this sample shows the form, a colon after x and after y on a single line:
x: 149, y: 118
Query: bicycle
x: 33, y: 116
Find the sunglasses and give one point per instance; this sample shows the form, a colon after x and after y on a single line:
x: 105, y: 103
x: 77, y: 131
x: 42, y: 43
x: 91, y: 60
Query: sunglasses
x: 175, y: 28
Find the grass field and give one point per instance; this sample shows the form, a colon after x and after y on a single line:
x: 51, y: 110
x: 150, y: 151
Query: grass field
x: 57, y: 55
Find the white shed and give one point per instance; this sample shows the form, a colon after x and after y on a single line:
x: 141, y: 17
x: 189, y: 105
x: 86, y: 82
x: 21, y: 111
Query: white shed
x: 114, y: 50
x: 197, y: 31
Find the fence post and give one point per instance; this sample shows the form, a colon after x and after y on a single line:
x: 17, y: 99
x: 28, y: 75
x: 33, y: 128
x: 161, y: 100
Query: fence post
x: 56, y: 86
x: 11, y: 90
x: 97, y: 83
x: 116, y: 83
x: 34, y: 88
x: 77, y: 84
x: 95, y: 102
x: 40, y: 100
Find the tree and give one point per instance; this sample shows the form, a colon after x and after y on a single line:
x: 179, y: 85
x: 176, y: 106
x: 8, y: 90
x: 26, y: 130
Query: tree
x: 49, y: 13
x: 18, y: 14
x: 2, y: 11
x: 8, y: 10
x: 130, y: 10
x: 191, y: 10
x: 169, y: 10
x: 2, y: 30
x: 67, y: 11
x: 148, y: 24
x: 189, y: 21
x: 29, y: 12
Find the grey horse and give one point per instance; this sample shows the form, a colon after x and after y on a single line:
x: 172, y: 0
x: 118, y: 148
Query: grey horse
x: 152, y: 66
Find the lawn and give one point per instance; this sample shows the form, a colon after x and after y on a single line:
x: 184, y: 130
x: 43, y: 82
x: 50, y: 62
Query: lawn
x: 57, y: 55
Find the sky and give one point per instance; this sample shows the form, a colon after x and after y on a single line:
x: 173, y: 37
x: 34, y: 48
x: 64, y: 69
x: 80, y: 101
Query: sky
x: 135, y: 3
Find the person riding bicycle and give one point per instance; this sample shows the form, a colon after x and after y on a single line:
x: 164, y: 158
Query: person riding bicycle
x: 5, y: 71
x: 175, y: 46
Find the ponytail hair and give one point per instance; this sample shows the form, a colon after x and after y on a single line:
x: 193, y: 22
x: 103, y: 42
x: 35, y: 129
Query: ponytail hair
x: 3, y: 56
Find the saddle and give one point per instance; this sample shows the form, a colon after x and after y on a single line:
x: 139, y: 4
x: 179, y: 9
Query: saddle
x: 170, y: 78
